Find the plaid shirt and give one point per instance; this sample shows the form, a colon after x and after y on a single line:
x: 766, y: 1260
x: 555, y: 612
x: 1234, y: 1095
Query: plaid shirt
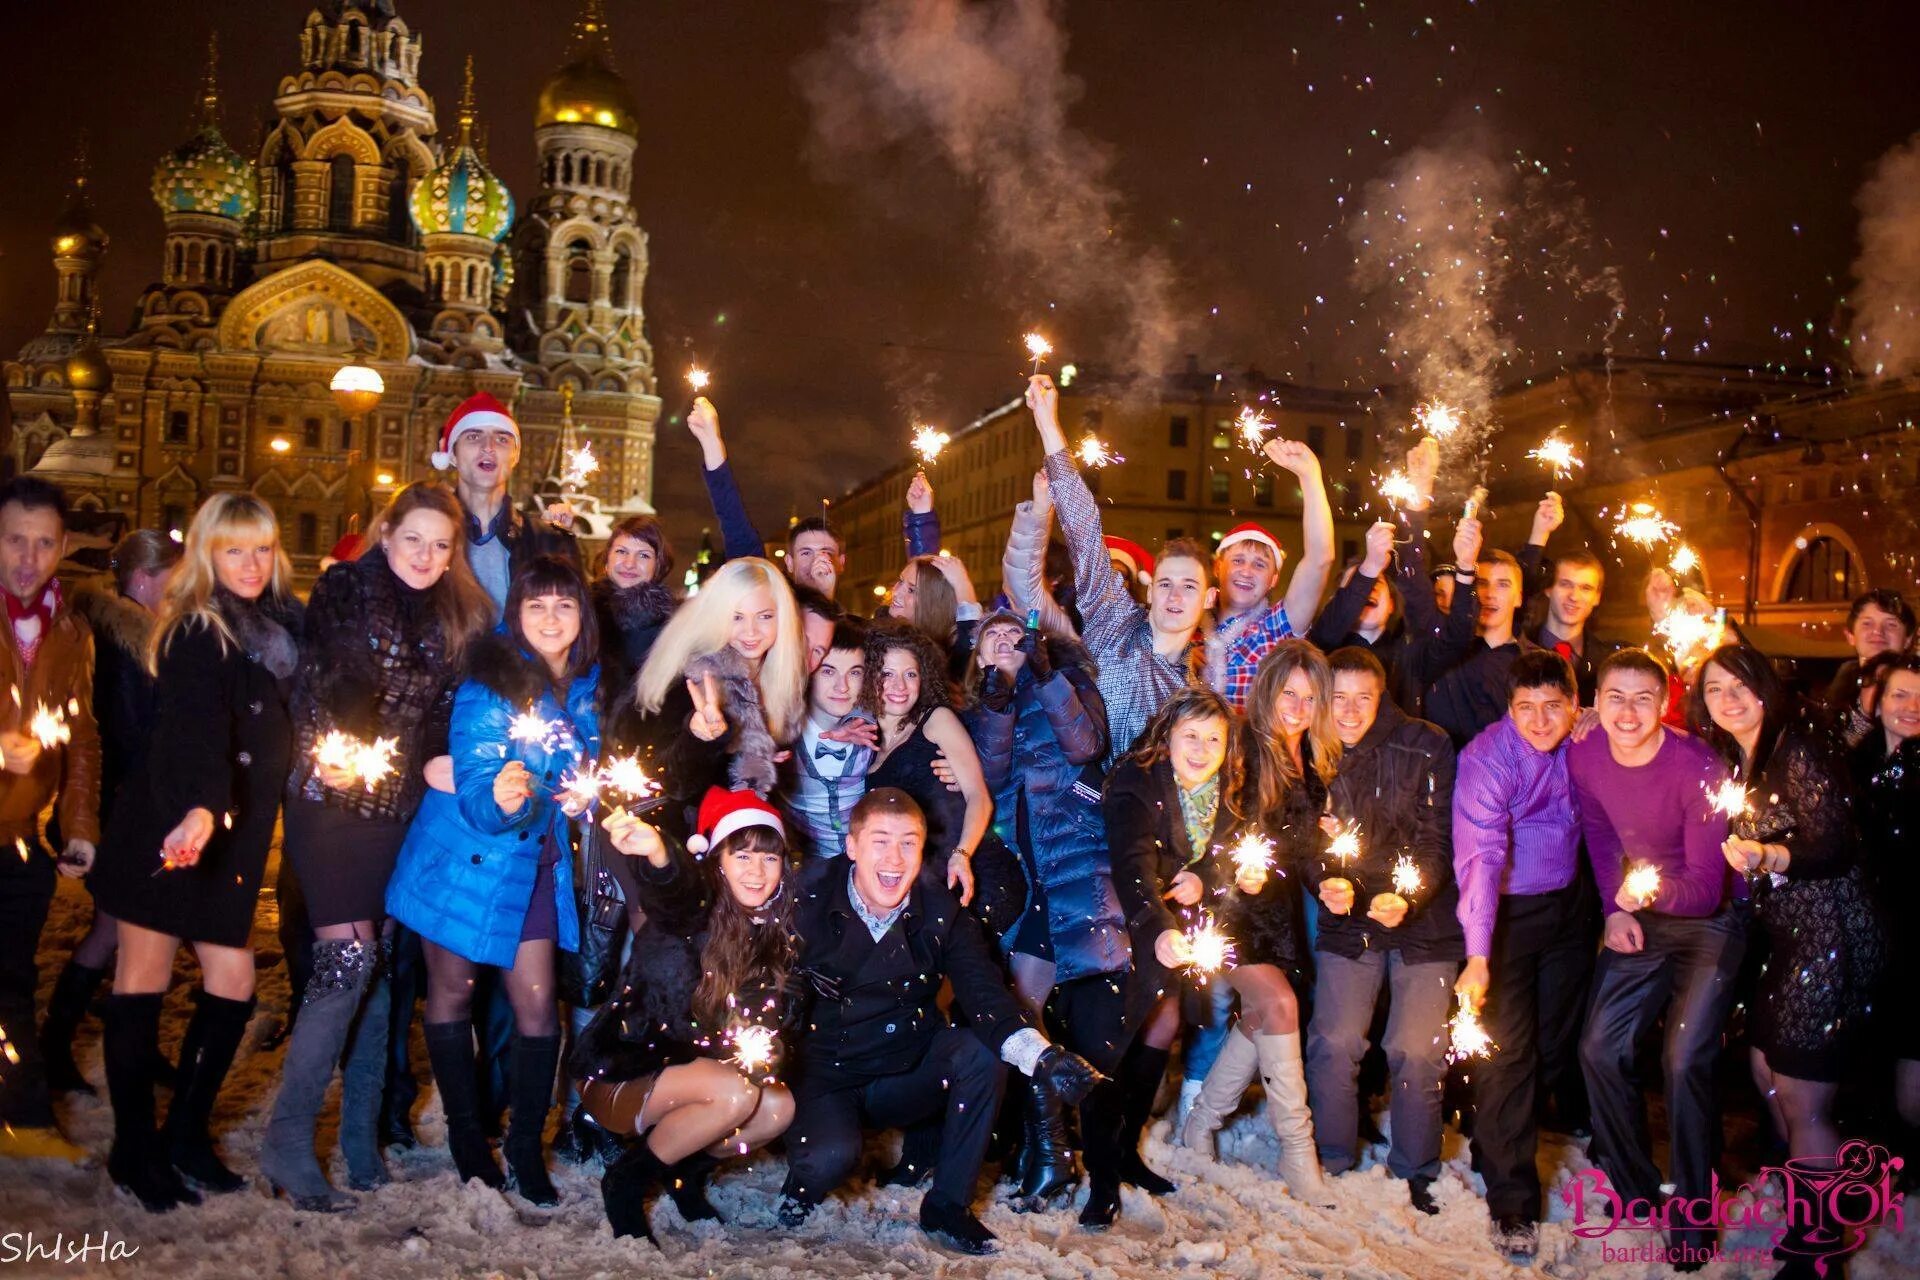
x: 1236, y: 648
x: 1134, y: 680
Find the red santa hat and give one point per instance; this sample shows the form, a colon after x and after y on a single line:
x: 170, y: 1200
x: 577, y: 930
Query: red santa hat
x: 724, y: 812
x: 1250, y: 532
x: 478, y: 412
x: 1138, y: 562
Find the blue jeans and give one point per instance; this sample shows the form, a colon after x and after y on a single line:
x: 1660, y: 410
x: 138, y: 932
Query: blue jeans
x: 1421, y: 998
x: 1209, y: 1016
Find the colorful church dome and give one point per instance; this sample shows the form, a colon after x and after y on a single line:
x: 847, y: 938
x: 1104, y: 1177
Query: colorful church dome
x: 204, y: 174
x: 588, y: 90
x: 461, y: 196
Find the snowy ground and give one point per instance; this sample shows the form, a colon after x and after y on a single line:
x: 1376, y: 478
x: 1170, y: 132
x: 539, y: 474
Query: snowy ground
x: 1230, y: 1220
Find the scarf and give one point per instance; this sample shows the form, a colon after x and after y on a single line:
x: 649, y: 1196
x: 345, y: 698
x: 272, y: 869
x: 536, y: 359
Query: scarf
x: 31, y: 622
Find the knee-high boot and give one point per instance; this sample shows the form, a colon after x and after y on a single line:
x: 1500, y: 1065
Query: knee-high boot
x: 1220, y: 1093
x: 1284, y: 1076
x: 530, y: 1085
x: 1102, y: 1120
x: 1140, y: 1074
x: 72, y: 992
x: 450, y: 1050
x: 363, y: 1080
x: 130, y: 1034
x: 339, y: 981
x: 206, y: 1055
x: 1047, y: 1170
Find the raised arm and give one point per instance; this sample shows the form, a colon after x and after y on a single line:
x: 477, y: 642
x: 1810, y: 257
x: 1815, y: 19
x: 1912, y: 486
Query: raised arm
x: 1309, y: 580
x: 737, y: 535
x: 1342, y: 615
x: 921, y: 523
x: 1550, y: 515
x: 1023, y: 567
x: 1107, y: 612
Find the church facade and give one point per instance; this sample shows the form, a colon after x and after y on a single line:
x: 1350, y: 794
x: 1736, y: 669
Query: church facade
x: 359, y: 234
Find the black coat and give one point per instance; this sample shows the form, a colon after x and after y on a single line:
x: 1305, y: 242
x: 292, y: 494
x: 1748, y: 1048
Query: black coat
x: 222, y: 740
x: 1473, y: 694
x: 649, y: 1024
x: 1397, y: 783
x: 875, y: 1008
x: 123, y: 695
x: 631, y: 619
x: 374, y: 664
x: 1147, y: 837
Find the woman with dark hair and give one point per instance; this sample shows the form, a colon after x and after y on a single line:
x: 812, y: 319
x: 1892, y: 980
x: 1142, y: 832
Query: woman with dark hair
x: 1293, y: 751
x: 685, y: 1060
x: 122, y: 620
x: 386, y: 635
x: 633, y: 598
x: 486, y: 875
x: 1795, y: 840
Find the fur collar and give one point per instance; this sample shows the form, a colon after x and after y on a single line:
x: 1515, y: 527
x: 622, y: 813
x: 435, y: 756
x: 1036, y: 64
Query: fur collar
x: 265, y: 629
x: 633, y: 608
x: 496, y: 662
x: 750, y: 763
x: 115, y: 619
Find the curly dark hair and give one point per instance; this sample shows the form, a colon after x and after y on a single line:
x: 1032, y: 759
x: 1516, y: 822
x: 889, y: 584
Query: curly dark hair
x: 889, y: 634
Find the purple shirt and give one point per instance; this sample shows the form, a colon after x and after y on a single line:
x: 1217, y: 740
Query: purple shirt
x: 1659, y: 813
x: 1516, y: 826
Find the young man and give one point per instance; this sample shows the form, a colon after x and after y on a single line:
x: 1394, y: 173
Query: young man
x: 481, y: 443
x: 46, y: 658
x: 825, y: 773
x: 1525, y: 912
x: 877, y: 940
x: 1473, y: 694
x: 1394, y: 786
x: 1673, y: 952
x: 1879, y: 622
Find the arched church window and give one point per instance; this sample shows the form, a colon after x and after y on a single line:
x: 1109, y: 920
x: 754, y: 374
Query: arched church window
x: 579, y: 272
x: 400, y: 228
x: 1823, y: 572
x: 622, y: 279
x: 340, y: 180
x: 283, y: 173
x: 566, y: 168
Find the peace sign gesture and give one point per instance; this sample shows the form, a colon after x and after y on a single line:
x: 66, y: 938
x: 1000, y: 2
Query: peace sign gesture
x: 709, y: 720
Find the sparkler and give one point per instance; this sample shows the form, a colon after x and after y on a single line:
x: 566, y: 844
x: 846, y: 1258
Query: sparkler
x: 579, y: 792
x: 1094, y: 453
x: 580, y: 464
x: 1253, y: 853
x: 928, y: 442
x: 1643, y: 882
x: 753, y: 1048
x: 698, y: 380
x: 1557, y: 453
x: 1397, y: 488
x: 1254, y: 427
x: 1685, y: 632
x: 368, y: 761
x: 50, y: 726
x: 623, y: 776
x: 1406, y: 876
x: 1208, y: 949
x: 1039, y: 348
x: 1685, y: 559
x: 1467, y: 1038
x: 1730, y: 799
x: 1346, y: 843
x: 1644, y: 525
x: 1437, y: 419
x: 531, y: 729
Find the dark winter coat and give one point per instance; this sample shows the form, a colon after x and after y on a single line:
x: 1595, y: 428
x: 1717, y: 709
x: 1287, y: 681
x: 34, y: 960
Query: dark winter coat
x: 221, y: 740
x: 742, y: 757
x: 468, y: 872
x: 1397, y: 783
x: 373, y: 664
x: 1473, y: 694
x: 1148, y: 839
x: 1034, y: 756
x: 649, y: 1024
x: 526, y: 537
x: 123, y: 694
x: 875, y: 1005
x: 1420, y: 644
x: 1270, y: 927
x: 631, y: 619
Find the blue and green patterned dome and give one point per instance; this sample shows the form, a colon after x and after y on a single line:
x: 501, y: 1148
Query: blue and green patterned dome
x: 205, y: 175
x: 462, y: 197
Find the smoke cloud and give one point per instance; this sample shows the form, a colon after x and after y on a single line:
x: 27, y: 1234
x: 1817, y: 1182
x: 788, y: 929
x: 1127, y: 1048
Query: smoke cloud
x: 1886, y: 297
x: 985, y: 89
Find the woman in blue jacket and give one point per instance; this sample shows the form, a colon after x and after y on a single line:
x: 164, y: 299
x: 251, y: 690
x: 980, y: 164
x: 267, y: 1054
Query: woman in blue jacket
x: 485, y: 876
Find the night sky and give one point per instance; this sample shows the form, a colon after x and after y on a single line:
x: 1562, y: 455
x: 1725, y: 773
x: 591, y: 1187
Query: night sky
x: 1716, y: 147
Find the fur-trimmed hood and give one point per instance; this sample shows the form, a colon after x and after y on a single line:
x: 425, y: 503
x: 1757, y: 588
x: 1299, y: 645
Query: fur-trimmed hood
x: 751, y: 750
x: 497, y: 661
x: 115, y: 619
x: 631, y: 608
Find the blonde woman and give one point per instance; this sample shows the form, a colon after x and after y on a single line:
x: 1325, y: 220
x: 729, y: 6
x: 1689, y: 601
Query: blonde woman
x: 187, y: 846
x: 725, y: 682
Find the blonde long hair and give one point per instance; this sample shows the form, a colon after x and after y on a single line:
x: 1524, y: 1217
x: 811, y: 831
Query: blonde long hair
x: 224, y: 518
x: 1279, y: 775
x: 700, y: 626
x: 462, y: 605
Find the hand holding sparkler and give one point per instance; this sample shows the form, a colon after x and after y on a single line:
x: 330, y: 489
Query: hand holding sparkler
x: 1294, y: 456
x: 1557, y: 455
x: 1186, y: 890
x: 512, y: 787
x: 1389, y: 910
x: 1471, y: 986
x: 1548, y: 516
x: 1039, y: 348
x: 1380, y: 540
x: 703, y: 423
x: 1640, y: 887
x: 1336, y: 895
x: 928, y: 442
x: 635, y: 838
x: 1466, y: 1037
x: 1252, y: 858
x: 183, y: 845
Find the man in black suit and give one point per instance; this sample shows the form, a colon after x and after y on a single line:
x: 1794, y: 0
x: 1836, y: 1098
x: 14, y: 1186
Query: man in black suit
x: 876, y: 941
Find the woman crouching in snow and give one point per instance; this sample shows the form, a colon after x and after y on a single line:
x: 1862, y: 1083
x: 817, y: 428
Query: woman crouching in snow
x: 683, y: 1060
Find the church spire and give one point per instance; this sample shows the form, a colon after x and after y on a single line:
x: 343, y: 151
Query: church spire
x: 466, y: 107
x: 210, y: 84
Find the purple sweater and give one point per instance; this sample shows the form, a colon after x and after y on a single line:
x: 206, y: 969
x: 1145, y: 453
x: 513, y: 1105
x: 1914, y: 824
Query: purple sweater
x: 1657, y: 812
x: 1516, y: 826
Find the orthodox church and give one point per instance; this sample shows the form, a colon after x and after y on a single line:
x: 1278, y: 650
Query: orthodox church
x: 323, y: 305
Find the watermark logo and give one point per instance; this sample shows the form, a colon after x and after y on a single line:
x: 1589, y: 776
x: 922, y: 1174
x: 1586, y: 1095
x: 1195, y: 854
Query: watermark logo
x: 1816, y: 1207
x: 63, y: 1249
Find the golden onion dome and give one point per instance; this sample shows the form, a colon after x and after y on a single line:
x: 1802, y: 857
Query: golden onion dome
x: 87, y: 369
x: 588, y: 90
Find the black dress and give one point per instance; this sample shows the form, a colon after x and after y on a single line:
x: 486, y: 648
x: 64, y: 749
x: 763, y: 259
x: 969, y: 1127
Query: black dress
x: 221, y: 739
x: 999, y: 883
x: 1824, y: 945
x: 1887, y: 798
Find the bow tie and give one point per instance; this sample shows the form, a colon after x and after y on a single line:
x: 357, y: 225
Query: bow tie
x: 828, y: 751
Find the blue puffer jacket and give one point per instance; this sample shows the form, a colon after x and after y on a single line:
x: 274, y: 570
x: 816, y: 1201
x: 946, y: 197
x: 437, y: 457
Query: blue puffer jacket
x: 467, y: 871
x: 1033, y: 754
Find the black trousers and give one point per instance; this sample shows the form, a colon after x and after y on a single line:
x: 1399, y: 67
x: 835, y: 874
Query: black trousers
x: 1541, y: 964
x: 958, y: 1076
x: 26, y: 891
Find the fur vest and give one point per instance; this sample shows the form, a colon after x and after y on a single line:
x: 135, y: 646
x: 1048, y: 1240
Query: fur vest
x: 751, y: 749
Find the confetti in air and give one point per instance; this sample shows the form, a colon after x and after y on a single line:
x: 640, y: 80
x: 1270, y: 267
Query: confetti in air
x: 369, y: 762
x: 1467, y: 1038
x: 1093, y: 452
x: 928, y: 442
x: 1643, y: 524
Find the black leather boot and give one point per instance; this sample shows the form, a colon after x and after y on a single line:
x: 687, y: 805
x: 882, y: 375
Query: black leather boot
x: 1140, y: 1076
x: 1048, y: 1172
x: 624, y: 1188
x: 530, y: 1088
x: 1102, y: 1117
x: 206, y: 1055
x: 72, y: 993
x: 687, y: 1186
x: 450, y: 1050
x: 138, y: 1163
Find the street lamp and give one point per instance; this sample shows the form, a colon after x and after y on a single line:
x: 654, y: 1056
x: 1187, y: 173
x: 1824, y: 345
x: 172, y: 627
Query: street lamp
x: 357, y: 386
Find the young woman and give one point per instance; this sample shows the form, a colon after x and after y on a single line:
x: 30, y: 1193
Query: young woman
x: 1172, y: 806
x: 633, y: 598
x: 184, y: 856
x: 122, y: 623
x: 1293, y: 752
x: 932, y: 593
x: 725, y: 683
x: 664, y: 1062
x: 386, y: 635
x: 1037, y: 721
x: 485, y: 876
x: 1796, y: 842
x: 1886, y: 771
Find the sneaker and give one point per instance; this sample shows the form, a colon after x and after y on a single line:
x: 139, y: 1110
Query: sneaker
x: 1420, y: 1194
x: 1517, y: 1238
x: 792, y: 1212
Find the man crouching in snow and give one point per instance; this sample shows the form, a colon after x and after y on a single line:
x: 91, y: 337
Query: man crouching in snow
x: 876, y: 942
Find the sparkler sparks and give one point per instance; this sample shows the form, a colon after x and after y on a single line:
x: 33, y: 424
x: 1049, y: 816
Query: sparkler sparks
x: 580, y: 464
x: 1467, y: 1038
x: 1039, y: 348
x: 1556, y: 452
x: 1208, y: 949
x: 1643, y: 882
x: 753, y: 1048
x: 368, y: 761
x: 1397, y: 488
x: 532, y: 729
x: 928, y: 442
x: 1252, y: 853
x: 623, y: 776
x: 1685, y: 559
x: 698, y: 379
x: 1093, y: 452
x: 1685, y: 632
x: 1731, y: 799
x: 1643, y: 524
x: 1345, y: 845
x: 1254, y: 427
x: 1406, y: 876
x: 1436, y: 419
x: 50, y: 726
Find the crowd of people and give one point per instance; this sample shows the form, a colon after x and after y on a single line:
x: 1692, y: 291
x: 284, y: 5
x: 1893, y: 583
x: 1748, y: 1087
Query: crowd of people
x: 748, y: 869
